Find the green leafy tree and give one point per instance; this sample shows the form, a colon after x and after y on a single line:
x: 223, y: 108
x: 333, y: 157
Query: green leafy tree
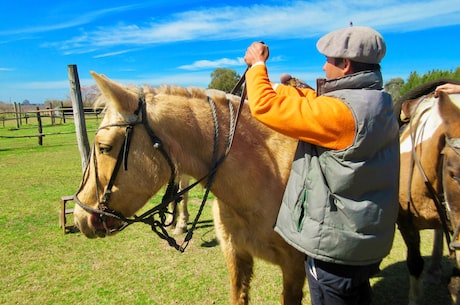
x: 223, y: 79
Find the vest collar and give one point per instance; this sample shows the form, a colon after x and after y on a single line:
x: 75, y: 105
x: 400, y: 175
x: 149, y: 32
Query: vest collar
x: 361, y: 80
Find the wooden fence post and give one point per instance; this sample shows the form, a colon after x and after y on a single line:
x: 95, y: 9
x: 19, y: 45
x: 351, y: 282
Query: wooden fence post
x: 40, y: 127
x: 20, y: 114
x: 79, y: 115
x: 16, y: 114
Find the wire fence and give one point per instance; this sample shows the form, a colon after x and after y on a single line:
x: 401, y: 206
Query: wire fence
x: 37, y: 119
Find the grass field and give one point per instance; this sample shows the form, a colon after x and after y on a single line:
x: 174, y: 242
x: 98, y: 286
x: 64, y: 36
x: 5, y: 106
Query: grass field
x: 41, y: 265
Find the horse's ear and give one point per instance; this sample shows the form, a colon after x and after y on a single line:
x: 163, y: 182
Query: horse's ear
x: 449, y: 112
x: 122, y: 99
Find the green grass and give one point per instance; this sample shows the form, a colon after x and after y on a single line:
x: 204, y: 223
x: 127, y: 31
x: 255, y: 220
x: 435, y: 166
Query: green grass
x: 41, y: 265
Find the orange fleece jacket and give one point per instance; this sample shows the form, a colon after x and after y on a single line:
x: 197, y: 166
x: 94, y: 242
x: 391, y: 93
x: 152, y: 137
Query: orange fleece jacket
x: 324, y: 121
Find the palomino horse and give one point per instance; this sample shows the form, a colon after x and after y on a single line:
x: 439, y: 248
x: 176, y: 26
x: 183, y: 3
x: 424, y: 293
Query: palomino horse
x: 429, y: 179
x: 157, y: 132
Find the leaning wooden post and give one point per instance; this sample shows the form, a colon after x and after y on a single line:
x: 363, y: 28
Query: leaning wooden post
x: 78, y: 115
x: 40, y: 127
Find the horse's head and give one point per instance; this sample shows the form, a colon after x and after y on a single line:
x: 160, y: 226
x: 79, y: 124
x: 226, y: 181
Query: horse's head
x: 450, y: 113
x: 124, y: 169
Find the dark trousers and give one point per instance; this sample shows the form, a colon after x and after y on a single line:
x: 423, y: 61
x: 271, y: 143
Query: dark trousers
x: 334, y: 284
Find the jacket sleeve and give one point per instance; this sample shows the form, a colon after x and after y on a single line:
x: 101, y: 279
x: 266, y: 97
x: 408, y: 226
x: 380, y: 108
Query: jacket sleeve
x: 299, y: 113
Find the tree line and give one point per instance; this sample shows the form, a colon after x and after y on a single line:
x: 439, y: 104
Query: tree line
x: 397, y: 87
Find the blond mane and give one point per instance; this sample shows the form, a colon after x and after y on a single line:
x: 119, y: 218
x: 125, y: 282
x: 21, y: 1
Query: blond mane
x: 174, y: 90
x: 188, y: 92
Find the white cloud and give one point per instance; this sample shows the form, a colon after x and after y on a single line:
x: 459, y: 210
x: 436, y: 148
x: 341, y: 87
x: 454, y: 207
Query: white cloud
x: 297, y: 19
x: 81, y: 19
x: 210, y: 64
x: 113, y: 53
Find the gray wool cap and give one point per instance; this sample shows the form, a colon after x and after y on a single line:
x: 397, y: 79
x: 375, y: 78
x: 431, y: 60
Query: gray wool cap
x: 358, y: 43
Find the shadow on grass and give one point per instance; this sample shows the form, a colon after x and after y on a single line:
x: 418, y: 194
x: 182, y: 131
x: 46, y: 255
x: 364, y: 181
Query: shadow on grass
x: 210, y: 244
x: 392, y: 285
x: 208, y: 241
x: 203, y: 224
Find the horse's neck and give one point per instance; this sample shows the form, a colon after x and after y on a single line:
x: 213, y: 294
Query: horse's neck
x: 192, y: 133
x: 185, y: 132
x: 257, y: 153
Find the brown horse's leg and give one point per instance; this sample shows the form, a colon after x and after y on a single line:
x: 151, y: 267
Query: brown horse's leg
x: 293, y: 279
x: 454, y: 281
x: 434, y: 271
x: 411, y: 236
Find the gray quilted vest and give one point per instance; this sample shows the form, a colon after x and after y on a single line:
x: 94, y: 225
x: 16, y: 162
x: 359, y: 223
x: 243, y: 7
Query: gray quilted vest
x: 341, y: 206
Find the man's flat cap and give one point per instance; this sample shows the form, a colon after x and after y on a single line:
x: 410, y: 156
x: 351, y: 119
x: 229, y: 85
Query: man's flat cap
x: 357, y: 43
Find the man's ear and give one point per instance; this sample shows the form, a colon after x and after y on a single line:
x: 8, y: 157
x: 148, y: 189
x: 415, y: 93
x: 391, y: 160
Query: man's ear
x: 347, y: 68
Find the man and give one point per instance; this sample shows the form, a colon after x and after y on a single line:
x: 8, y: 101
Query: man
x: 341, y: 201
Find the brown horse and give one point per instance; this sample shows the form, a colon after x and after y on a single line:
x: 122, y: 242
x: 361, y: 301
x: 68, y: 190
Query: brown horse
x: 150, y: 134
x: 429, y: 179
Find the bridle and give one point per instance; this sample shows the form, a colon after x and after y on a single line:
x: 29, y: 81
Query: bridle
x: 439, y: 199
x: 156, y: 217
x: 104, y: 211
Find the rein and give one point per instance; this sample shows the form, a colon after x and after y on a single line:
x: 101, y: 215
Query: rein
x: 172, y: 193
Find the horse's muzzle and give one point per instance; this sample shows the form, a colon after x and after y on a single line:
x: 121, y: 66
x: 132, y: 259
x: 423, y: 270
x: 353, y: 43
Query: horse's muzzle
x: 105, y: 225
x: 95, y: 225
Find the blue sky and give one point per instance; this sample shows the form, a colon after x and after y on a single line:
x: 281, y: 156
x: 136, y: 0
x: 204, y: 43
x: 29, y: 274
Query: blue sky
x: 182, y: 42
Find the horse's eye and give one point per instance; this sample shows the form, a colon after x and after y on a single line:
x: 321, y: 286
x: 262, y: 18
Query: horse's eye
x: 104, y: 148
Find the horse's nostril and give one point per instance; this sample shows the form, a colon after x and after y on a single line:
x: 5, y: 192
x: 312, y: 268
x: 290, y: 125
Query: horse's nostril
x: 97, y: 222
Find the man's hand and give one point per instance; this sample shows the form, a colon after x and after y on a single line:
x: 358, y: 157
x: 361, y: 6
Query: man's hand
x: 448, y: 88
x: 257, y: 52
